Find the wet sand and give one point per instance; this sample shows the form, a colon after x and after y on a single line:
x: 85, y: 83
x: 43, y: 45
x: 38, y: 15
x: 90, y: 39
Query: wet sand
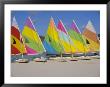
x: 54, y: 68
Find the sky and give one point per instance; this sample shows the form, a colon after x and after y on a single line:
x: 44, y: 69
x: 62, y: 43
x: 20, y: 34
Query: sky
x: 41, y: 19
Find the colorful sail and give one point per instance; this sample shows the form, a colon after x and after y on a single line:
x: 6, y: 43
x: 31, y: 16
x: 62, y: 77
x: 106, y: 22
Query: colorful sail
x: 17, y: 45
x: 77, y: 38
x: 31, y: 38
x: 91, y: 37
x: 51, y: 41
x: 65, y: 40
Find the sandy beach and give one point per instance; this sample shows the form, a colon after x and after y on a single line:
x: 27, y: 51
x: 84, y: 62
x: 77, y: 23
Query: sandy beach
x: 54, y: 68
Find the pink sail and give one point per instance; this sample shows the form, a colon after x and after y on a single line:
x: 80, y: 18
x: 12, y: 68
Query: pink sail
x: 30, y: 51
x: 74, y: 27
x: 29, y: 23
x: 61, y: 27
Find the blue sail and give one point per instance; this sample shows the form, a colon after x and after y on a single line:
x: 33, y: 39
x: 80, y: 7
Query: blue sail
x: 49, y: 48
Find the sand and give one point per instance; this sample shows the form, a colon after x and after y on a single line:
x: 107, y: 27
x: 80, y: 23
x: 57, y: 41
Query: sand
x: 54, y: 68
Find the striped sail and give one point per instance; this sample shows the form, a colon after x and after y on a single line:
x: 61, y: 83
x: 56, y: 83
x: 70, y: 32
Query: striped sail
x: 51, y: 41
x: 17, y: 45
x: 31, y: 38
x: 65, y: 40
x: 77, y: 38
x: 91, y: 37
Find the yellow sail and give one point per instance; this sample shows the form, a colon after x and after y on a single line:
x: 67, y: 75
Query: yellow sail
x: 77, y: 38
x: 17, y: 45
x: 51, y: 41
x: 91, y: 38
x: 65, y: 39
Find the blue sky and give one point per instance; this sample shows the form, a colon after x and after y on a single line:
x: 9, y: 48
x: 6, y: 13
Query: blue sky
x: 41, y: 19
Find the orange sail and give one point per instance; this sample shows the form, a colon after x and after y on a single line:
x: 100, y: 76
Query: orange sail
x: 91, y: 37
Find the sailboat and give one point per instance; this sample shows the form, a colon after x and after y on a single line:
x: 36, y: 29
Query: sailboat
x: 66, y: 41
x: 33, y: 43
x: 17, y: 45
x: 91, y: 38
x: 77, y: 38
x: 51, y: 41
